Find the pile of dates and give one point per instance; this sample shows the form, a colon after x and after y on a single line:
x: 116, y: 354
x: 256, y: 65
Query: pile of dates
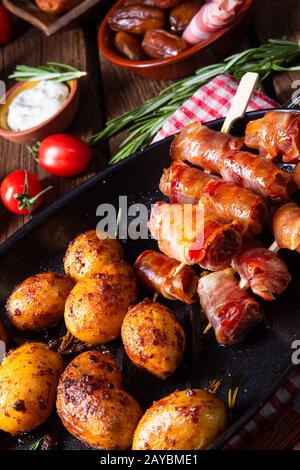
x: 152, y: 29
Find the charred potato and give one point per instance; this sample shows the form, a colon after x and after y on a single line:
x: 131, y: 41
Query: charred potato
x: 97, y: 306
x: 136, y: 19
x: 39, y: 301
x: 153, y: 338
x: 87, y: 254
x: 129, y: 46
x: 159, y: 44
x: 181, y: 15
x: 3, y: 335
x: 56, y: 7
x: 28, y: 379
x: 184, y: 420
x: 92, y: 406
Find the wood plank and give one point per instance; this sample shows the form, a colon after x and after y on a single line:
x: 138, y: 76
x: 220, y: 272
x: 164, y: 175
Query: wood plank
x: 275, y: 20
x: 281, y: 434
x: 77, y: 47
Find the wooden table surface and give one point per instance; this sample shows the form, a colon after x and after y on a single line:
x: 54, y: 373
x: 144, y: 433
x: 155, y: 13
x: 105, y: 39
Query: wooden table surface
x: 108, y: 91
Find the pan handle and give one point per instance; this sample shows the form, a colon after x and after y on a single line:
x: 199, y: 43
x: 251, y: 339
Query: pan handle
x: 293, y: 103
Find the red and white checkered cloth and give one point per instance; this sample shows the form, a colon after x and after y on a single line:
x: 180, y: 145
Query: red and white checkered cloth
x: 212, y: 101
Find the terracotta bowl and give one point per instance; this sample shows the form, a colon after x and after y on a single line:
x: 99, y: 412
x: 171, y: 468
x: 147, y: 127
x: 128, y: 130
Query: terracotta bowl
x: 56, y: 123
x: 185, y: 63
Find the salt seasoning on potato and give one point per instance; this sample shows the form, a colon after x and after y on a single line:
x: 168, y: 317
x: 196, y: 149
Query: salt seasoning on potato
x: 92, y: 404
x: 87, y: 254
x: 39, y: 301
x: 28, y: 379
x: 153, y: 338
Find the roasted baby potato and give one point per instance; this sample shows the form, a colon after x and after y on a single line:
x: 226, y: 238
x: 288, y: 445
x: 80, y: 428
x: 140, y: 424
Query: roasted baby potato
x: 3, y: 335
x: 181, y: 15
x: 129, y: 46
x: 96, y: 306
x: 87, y: 254
x: 93, y: 407
x: 28, y: 379
x: 39, y: 301
x: 159, y: 44
x: 153, y: 338
x: 56, y: 7
x: 137, y: 19
x: 184, y: 420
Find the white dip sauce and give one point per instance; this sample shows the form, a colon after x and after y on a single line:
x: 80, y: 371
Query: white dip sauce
x: 35, y: 105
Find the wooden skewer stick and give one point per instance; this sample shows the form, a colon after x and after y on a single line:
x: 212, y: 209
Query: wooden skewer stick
x: 178, y: 269
x: 155, y: 297
x: 208, y: 327
x: 240, y: 101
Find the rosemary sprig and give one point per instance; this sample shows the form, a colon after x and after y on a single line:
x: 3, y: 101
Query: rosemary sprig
x: 144, y: 121
x: 36, y: 445
x: 51, y: 71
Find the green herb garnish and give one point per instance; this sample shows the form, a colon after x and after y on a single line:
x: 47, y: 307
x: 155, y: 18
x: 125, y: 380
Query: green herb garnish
x: 146, y: 120
x: 51, y: 71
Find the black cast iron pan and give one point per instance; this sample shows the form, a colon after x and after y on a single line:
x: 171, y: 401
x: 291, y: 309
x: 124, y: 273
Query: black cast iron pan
x: 258, y: 365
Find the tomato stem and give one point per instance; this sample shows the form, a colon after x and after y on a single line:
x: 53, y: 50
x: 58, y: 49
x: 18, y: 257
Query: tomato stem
x: 25, y: 200
x: 34, y: 150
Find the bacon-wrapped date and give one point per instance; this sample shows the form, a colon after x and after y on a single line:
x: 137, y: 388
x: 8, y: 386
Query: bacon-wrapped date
x: 202, y: 146
x: 258, y: 174
x: 192, y: 235
x: 277, y: 134
x: 156, y: 271
x: 232, y: 312
x: 262, y: 270
x: 211, y: 151
x: 286, y: 226
x: 184, y: 184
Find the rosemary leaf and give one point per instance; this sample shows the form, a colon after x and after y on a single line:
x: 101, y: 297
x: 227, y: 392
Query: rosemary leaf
x: 144, y: 121
x: 51, y: 71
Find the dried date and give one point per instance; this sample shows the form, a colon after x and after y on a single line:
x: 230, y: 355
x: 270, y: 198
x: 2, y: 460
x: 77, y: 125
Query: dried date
x: 129, y: 46
x: 137, y: 19
x: 181, y: 15
x: 159, y: 44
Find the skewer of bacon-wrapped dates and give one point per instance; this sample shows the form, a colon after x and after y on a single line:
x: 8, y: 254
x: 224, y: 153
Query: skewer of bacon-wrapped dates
x: 262, y: 270
x: 184, y: 184
x: 219, y: 154
x: 192, y: 235
x: 276, y: 135
x: 231, y: 311
x: 156, y: 271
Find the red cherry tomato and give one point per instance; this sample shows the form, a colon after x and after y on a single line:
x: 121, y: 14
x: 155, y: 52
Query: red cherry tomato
x: 5, y: 25
x: 64, y: 155
x: 21, y: 192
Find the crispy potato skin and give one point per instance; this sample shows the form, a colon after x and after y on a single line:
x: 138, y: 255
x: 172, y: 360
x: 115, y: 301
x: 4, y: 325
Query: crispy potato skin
x: 87, y: 255
x: 184, y: 420
x: 96, y: 307
x: 3, y: 334
x: 39, y: 301
x: 93, y: 407
x: 55, y: 7
x: 153, y: 338
x: 28, y: 379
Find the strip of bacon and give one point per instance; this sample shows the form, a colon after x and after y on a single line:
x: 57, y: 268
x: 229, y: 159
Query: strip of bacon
x: 286, y: 226
x: 211, y: 151
x: 184, y: 184
x: 232, y: 312
x: 211, y: 18
x: 156, y: 271
x: 203, y: 147
x: 262, y: 270
x: 192, y: 235
x: 276, y: 135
